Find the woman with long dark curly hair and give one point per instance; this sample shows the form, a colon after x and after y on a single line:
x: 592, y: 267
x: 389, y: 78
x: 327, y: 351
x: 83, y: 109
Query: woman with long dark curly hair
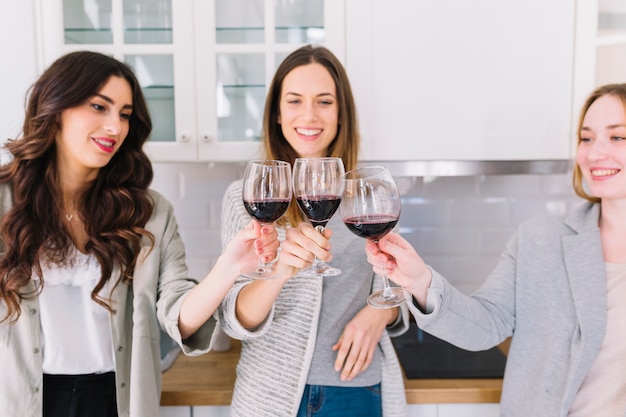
x: 92, y: 265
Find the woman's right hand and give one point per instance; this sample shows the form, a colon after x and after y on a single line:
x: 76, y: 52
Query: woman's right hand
x: 297, y: 251
x: 402, y: 263
x: 300, y: 247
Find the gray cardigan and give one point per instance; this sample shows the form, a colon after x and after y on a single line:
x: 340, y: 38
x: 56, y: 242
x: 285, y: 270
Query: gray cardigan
x: 153, y: 301
x: 275, y: 358
x: 549, y: 291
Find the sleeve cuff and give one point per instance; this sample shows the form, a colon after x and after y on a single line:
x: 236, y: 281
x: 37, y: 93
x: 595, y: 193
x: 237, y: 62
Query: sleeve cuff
x: 396, y: 322
x: 433, y: 297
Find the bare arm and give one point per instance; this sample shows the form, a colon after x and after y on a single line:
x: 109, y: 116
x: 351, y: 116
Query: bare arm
x: 298, y: 251
x: 241, y: 253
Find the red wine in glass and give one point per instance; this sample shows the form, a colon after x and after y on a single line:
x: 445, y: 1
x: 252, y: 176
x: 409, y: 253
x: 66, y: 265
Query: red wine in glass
x: 372, y: 227
x: 319, y: 209
x: 266, y: 211
x: 370, y: 208
x: 266, y: 194
x: 317, y: 187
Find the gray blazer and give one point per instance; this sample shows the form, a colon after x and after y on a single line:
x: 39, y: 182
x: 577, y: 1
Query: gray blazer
x: 152, y: 302
x: 549, y: 291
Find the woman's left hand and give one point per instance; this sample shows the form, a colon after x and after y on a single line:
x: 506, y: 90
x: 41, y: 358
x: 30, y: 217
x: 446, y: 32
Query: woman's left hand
x: 356, y: 345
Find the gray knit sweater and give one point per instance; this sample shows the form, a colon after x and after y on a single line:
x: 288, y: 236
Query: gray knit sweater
x: 275, y: 358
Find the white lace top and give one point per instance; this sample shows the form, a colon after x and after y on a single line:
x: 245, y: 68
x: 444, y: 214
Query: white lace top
x: 76, y: 330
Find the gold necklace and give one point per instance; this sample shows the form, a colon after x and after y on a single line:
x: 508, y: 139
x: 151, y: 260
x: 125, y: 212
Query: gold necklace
x: 69, y: 217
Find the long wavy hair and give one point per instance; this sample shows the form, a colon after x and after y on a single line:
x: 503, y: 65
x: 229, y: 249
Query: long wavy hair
x: 346, y: 143
x: 114, y: 208
x: 616, y: 90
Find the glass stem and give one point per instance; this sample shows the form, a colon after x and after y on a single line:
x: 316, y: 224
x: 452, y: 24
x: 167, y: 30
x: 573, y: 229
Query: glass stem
x: 387, y: 293
x: 260, y: 265
x: 320, y: 229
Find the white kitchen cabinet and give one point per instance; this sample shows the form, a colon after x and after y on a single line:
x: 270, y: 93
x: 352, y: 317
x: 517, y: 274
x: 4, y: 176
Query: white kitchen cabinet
x: 238, y: 46
x: 611, y: 42
x: 19, y: 70
x: 204, y: 65
x: 457, y: 80
x: 454, y: 410
x: 468, y: 410
x: 175, y: 411
x: 211, y: 411
x: 155, y: 38
x: 413, y: 410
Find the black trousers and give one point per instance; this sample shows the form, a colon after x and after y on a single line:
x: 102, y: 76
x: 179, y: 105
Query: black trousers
x: 90, y: 395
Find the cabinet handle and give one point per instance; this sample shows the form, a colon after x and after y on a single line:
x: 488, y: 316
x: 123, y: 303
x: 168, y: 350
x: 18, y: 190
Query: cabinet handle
x: 207, y: 138
x: 184, y: 137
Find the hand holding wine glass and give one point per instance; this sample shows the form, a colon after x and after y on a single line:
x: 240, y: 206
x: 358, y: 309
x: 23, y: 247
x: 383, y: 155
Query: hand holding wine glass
x: 318, y: 186
x: 266, y: 196
x: 370, y: 208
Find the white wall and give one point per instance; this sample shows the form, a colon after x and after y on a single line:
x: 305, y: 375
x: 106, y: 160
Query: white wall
x: 19, y: 62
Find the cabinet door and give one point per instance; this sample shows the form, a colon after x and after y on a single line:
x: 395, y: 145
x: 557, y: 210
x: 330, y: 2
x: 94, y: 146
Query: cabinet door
x: 239, y: 44
x: 175, y: 411
x: 19, y: 70
x: 154, y: 37
x: 479, y: 80
x: 203, y: 64
x: 611, y: 42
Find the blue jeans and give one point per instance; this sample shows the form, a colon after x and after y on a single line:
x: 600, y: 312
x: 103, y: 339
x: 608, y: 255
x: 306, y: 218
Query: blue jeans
x: 327, y: 401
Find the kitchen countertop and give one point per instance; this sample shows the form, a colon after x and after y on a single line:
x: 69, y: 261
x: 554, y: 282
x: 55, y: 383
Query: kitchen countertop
x: 208, y: 380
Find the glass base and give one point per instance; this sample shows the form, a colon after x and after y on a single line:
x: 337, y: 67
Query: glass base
x: 320, y: 268
x: 392, y: 297
x: 260, y: 273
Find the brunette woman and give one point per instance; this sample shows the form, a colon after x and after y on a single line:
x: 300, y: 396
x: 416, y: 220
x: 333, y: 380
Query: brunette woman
x: 92, y: 265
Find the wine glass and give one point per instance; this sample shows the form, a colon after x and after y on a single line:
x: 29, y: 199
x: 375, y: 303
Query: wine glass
x: 318, y: 186
x: 266, y: 196
x: 370, y: 208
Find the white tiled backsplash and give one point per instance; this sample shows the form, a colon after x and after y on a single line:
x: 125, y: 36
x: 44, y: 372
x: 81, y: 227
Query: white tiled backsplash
x: 458, y: 224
